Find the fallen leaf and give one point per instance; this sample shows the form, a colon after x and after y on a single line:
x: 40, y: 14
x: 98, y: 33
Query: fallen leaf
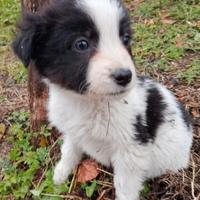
x: 164, y: 14
x: 198, y: 24
x: 149, y: 21
x: 43, y: 142
x: 179, y: 44
x: 135, y: 3
x: 2, y: 130
x: 165, y: 18
x: 167, y: 21
x: 87, y: 171
x: 195, y: 113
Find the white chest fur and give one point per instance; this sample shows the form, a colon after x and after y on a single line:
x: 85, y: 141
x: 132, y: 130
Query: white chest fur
x: 104, y: 129
x: 98, y: 127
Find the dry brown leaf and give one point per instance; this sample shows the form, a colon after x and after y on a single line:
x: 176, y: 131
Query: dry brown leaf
x: 168, y: 21
x: 179, y: 44
x: 149, y: 21
x: 165, y: 18
x: 198, y: 24
x: 164, y: 14
x: 43, y: 142
x: 2, y: 130
x: 131, y: 5
x: 195, y: 113
x: 87, y: 171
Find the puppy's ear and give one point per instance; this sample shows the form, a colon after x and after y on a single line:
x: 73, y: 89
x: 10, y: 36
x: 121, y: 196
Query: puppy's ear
x: 23, y: 45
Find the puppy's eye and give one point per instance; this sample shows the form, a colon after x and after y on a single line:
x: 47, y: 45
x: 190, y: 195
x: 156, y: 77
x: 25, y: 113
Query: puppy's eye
x: 82, y: 45
x: 126, y: 39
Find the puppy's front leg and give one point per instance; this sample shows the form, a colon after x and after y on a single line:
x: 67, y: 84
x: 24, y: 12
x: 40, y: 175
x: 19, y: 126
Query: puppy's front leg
x: 128, y: 180
x: 70, y: 157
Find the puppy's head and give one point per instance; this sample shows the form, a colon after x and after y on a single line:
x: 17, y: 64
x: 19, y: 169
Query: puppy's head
x: 81, y: 45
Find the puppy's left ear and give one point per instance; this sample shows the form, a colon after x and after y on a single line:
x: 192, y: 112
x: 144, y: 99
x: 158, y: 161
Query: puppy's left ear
x: 23, y: 45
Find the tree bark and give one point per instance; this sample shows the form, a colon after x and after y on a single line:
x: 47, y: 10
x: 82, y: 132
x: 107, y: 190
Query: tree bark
x: 33, y: 5
x: 38, y: 91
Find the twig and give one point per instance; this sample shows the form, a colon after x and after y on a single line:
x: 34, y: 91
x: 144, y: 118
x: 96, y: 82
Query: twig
x: 47, y: 164
x: 105, y: 172
x: 193, y: 179
x: 105, y: 184
x: 73, y: 180
x: 69, y: 196
x: 183, y: 176
x: 101, y: 195
x: 39, y: 182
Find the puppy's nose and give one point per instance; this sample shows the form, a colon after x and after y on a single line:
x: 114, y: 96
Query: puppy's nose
x: 122, y: 77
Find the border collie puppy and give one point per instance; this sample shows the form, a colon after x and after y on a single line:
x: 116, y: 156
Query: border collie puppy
x: 82, y: 48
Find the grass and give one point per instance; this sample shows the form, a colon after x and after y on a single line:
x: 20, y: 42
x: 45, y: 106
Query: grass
x: 163, y: 36
x: 9, y: 65
x: 192, y: 72
x: 9, y: 10
x: 166, y: 40
x: 22, y: 177
x: 28, y: 168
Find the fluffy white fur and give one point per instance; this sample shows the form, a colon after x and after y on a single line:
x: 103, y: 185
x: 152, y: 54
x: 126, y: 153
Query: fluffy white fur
x: 102, y: 126
x: 103, y: 129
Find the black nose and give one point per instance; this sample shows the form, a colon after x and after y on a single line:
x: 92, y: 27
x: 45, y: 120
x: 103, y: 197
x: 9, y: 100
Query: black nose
x: 122, y: 76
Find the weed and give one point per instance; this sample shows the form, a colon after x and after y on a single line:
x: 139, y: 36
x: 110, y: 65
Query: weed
x: 157, y: 43
x: 192, y: 72
x: 27, y: 171
x: 9, y: 10
x: 146, y: 190
x: 89, y: 189
x: 2, y: 98
x: 18, y: 73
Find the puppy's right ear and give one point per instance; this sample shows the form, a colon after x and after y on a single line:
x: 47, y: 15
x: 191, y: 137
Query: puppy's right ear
x: 23, y: 45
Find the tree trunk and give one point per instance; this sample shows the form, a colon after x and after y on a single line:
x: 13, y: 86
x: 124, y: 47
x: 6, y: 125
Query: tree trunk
x: 33, y: 5
x: 38, y: 92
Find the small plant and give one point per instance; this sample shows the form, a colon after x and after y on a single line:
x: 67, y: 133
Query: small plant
x: 89, y: 189
x: 165, y: 34
x: 19, y: 118
x: 9, y: 10
x: 2, y: 98
x: 146, y: 190
x: 18, y: 73
x: 27, y: 170
x: 192, y: 72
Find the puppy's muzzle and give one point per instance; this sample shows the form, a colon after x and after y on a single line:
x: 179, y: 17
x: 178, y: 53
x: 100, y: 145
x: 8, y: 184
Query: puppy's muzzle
x: 122, y: 77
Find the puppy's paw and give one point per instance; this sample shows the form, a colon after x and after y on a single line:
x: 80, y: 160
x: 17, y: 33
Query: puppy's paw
x: 61, y: 173
x: 127, y: 196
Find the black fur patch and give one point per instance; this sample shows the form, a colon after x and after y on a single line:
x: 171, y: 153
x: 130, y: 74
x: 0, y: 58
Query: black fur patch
x: 125, y: 27
x: 48, y: 39
x: 143, y: 135
x: 154, y: 117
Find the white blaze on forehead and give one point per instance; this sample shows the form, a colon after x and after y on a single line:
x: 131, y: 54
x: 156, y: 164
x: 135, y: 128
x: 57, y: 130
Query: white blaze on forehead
x: 111, y: 54
x: 106, y: 15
